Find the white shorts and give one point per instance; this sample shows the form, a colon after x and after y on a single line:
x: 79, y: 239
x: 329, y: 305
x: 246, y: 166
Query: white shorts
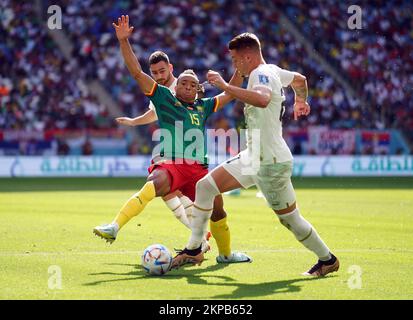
x: 274, y: 180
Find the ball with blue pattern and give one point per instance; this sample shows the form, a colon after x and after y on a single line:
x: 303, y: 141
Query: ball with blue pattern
x: 156, y: 259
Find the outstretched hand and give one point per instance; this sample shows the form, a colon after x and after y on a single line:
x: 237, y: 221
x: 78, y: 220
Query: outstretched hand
x: 123, y: 31
x: 125, y: 121
x: 301, y: 108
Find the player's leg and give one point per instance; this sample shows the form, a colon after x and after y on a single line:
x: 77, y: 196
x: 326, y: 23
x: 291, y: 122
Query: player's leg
x: 157, y: 184
x: 219, y: 227
x: 174, y: 203
x: 221, y: 233
x: 181, y: 206
x: 206, y: 191
x: 226, y: 177
x: 275, y: 183
x: 215, y: 182
x: 307, y: 235
x: 188, y: 206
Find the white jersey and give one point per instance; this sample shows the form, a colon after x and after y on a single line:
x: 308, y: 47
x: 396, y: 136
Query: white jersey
x: 273, y: 147
x: 172, y: 88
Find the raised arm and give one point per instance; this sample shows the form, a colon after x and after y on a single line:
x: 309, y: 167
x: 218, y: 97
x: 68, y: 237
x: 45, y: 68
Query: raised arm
x: 148, y: 117
x: 259, y: 97
x: 123, y: 32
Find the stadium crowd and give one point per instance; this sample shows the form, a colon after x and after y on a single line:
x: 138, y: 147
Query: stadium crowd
x: 195, y: 36
x: 39, y: 89
x: 377, y: 59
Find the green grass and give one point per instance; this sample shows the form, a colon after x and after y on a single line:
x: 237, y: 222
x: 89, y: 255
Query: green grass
x: 368, y: 223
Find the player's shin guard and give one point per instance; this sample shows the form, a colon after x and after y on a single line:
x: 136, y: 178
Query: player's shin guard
x: 135, y: 204
x: 206, y: 191
x: 178, y: 209
x: 220, y: 232
x: 305, y: 233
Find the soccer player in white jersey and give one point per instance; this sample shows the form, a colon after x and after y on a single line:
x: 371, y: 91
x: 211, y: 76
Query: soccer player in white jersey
x: 162, y: 72
x: 266, y: 163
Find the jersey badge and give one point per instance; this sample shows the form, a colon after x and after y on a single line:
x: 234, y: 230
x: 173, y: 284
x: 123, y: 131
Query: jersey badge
x: 263, y: 79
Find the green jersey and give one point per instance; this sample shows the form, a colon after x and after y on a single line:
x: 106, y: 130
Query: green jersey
x: 182, y: 124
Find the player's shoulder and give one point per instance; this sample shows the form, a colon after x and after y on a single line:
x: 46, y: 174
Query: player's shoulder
x: 264, y: 73
x: 165, y: 91
x: 206, y: 104
x: 203, y: 102
x: 270, y: 70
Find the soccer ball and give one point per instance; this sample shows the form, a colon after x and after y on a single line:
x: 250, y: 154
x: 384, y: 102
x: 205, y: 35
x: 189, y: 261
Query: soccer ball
x: 156, y: 259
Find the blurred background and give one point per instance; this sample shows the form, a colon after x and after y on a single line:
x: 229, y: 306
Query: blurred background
x: 60, y: 90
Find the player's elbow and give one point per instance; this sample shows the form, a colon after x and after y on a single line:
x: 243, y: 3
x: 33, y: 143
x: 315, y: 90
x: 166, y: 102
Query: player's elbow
x: 299, y: 81
x: 137, y: 74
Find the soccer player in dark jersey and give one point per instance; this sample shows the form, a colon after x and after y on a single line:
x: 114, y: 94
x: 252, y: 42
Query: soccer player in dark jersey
x: 184, y: 162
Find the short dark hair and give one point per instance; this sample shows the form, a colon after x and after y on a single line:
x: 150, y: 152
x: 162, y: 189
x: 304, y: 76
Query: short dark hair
x: 244, y: 41
x: 158, y: 56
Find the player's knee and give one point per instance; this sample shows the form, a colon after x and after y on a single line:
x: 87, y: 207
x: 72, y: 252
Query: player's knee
x: 160, y: 180
x: 206, y: 190
x: 207, y: 184
x: 201, y: 184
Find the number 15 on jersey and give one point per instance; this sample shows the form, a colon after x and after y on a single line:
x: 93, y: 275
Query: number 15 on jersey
x: 194, y: 119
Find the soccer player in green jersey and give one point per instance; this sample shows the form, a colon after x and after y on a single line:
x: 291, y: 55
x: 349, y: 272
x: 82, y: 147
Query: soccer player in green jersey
x: 180, y: 163
x: 161, y: 70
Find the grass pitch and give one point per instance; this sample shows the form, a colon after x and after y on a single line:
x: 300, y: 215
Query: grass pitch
x: 46, y: 229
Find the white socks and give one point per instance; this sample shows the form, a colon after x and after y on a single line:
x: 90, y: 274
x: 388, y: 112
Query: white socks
x: 179, y: 211
x: 188, y: 206
x: 206, y: 191
x: 305, y: 233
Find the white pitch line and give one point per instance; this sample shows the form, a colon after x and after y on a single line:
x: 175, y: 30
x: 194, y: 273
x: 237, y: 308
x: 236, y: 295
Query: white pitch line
x: 24, y: 254
x: 8, y: 254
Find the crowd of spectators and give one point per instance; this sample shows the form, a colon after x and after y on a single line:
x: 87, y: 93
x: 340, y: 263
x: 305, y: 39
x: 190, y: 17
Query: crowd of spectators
x: 39, y: 89
x: 195, y: 35
x: 377, y: 58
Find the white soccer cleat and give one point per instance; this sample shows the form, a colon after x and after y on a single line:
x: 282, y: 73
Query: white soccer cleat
x: 107, y: 232
x: 235, y: 257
